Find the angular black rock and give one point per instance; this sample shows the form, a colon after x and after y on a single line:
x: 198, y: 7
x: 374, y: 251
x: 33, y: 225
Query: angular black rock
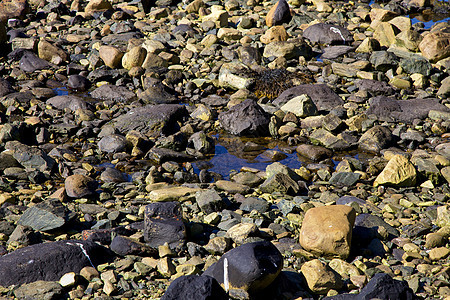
x: 194, y: 287
x: 123, y: 245
x: 245, y: 118
x: 49, y: 261
x: 251, y: 267
x: 163, y: 224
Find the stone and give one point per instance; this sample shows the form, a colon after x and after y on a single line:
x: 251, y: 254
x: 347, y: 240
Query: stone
x: 368, y: 45
x: 250, y: 267
x: 333, y: 52
x: 45, y: 290
x: 79, y: 185
x: 383, y: 60
x: 291, y: 49
x: 315, y: 153
x: 11, y: 9
x: 327, y: 34
x: 240, y: 232
x: 163, y: 224
x: 327, y: 230
x: 89, y: 273
x: 376, y: 139
x: 229, y: 34
x: 177, y: 193
x: 344, y: 178
x: 323, y: 97
x: 5, y: 87
x: 113, y: 93
x: 245, y: 118
x: 409, y: 40
x: 113, y: 143
x: 274, y: 34
x: 385, y: 34
x: 122, y: 245
x: 343, y: 268
x: 45, y: 216
x: 70, y: 102
x: 78, y: 82
x: 438, y: 253
x: 30, y: 157
x: 209, y: 201
x: 280, y: 182
x: 399, y: 171
x: 435, y: 45
x: 134, y: 57
x: 444, y: 89
x: 68, y: 279
x: 301, y: 106
x: 251, y: 203
x: 194, y: 287
x: 232, y: 187
x: 218, y: 245
x: 49, y: 261
x: 51, y: 53
x: 279, y: 13
x: 218, y: 16
x: 328, y: 140
x: 416, y: 65
x: 443, y: 149
x: 111, y: 56
x: 320, y: 277
x: 112, y: 175
x: 94, y: 6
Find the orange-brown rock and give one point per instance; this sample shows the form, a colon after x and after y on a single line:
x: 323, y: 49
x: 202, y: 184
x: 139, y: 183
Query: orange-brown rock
x: 278, y: 14
x: 436, y: 45
x: 13, y: 9
x: 327, y: 230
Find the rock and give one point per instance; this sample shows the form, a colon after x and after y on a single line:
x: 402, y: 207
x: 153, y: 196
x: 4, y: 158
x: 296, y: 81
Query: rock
x: 11, y: 9
x: 45, y: 290
x: 328, y: 140
x: 177, y: 193
x: 388, y: 109
x: 279, y: 13
x: 327, y: 34
x: 134, y: 58
x: 218, y: 16
x: 122, y: 245
x: 251, y: 267
x: 385, y: 34
x: 435, y: 45
x: 252, y: 203
x: 24, y: 236
x: 320, y: 277
x: 280, y: 182
x: 201, y: 142
x: 151, y: 119
x: 163, y: 224
x: 229, y: 34
x: 113, y: 93
x: 79, y: 185
x: 232, y: 187
x: 45, y: 216
x: 233, y: 75
x: 367, y: 227
x: 240, y: 232
x: 51, y: 53
x: 274, y: 34
x: 301, y: 106
x: 315, y: 153
x: 49, y: 261
x: 209, y: 201
x: 327, y: 230
x: 111, y: 56
x: 376, y: 139
x: 344, y: 178
x: 30, y: 157
x: 291, y: 49
x: 30, y: 62
x: 398, y: 172
x: 383, y: 60
x: 78, y: 82
x: 112, y: 175
x: 416, y: 65
x: 333, y: 52
x: 343, y: 268
x: 443, y: 149
x: 156, y: 93
x: 5, y: 87
x: 112, y: 143
x: 68, y: 101
x: 408, y: 39
x: 368, y: 45
x: 194, y: 287
x: 323, y: 97
x: 374, y: 87
x: 68, y: 279
x: 245, y: 118
x: 97, y: 6
x: 381, y: 286
x: 438, y: 253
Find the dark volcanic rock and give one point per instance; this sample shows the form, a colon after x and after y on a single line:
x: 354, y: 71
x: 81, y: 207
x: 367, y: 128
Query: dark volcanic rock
x: 327, y: 34
x: 280, y: 13
x: 104, y: 236
x: 123, y: 245
x: 30, y: 62
x: 114, y: 93
x: 366, y: 227
x: 209, y: 201
x: 381, y: 286
x: 163, y: 224
x: 374, y: 87
x: 151, y: 119
x: 68, y: 101
x: 322, y: 96
x: 313, y: 152
x: 112, y: 143
x: 388, y: 109
x: 5, y: 87
x: 194, y: 287
x: 78, y: 82
x: 246, y: 118
x: 251, y: 267
x: 49, y: 261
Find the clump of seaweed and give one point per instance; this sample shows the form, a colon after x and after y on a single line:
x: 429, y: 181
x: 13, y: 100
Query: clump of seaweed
x: 272, y: 82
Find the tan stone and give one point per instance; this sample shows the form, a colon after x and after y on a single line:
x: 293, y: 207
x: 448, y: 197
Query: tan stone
x: 51, y: 53
x: 229, y: 34
x: 89, y: 273
x: 435, y: 45
x: 401, y: 22
x: 343, y: 268
x: 327, y: 230
x: 368, y: 45
x: 273, y: 34
x: 439, y: 253
x: 218, y: 16
x: 382, y: 15
x: 385, y: 34
x: 97, y: 6
x: 194, y: 6
x: 320, y: 278
x: 399, y: 171
x: 177, y: 193
x: 111, y: 56
x: 134, y: 58
x: 408, y: 40
x: 239, y: 232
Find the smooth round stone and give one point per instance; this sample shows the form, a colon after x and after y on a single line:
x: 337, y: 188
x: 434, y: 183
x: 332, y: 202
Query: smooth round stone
x: 112, y: 175
x: 78, y: 185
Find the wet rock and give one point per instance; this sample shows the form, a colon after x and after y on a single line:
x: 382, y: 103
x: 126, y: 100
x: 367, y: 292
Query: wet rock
x: 112, y: 143
x: 123, y: 245
x: 163, y: 224
x: 201, y: 142
x: 315, y: 153
x: 113, y: 93
x: 375, y: 139
x: 280, y: 13
x: 194, y: 287
x: 320, y: 277
x: 30, y: 157
x: 324, y: 97
x: 79, y: 185
x: 301, y: 106
x: 246, y: 118
x: 151, y: 119
x: 209, y: 201
x: 78, y: 82
x: 45, y: 216
x: 39, y: 290
x: 327, y: 230
x: 49, y: 261
x: 398, y: 172
x: 327, y: 34
x: 251, y: 267
x: 68, y: 101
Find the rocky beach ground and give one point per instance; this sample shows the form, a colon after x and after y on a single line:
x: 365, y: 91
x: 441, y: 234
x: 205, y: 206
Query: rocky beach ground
x: 111, y: 113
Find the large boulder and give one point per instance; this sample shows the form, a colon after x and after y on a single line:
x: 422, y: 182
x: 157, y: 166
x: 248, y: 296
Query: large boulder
x: 194, y: 287
x: 49, y: 261
x: 251, y: 267
x: 327, y: 230
x: 245, y: 118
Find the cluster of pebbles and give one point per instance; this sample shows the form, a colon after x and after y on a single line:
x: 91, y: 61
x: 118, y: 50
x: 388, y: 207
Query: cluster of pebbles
x: 110, y: 111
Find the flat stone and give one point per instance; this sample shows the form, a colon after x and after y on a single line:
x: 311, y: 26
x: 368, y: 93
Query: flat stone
x: 45, y: 290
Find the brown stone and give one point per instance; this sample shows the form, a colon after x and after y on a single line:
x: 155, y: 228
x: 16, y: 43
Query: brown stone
x: 97, y: 6
x: 111, y: 56
x: 327, y: 230
x: 278, y: 14
x: 320, y: 277
x: 275, y: 34
x: 436, y: 45
x: 78, y: 185
x: 10, y: 9
x: 51, y: 53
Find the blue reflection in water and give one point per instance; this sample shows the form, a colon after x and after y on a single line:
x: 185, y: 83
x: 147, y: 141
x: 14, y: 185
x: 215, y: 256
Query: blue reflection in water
x: 61, y: 91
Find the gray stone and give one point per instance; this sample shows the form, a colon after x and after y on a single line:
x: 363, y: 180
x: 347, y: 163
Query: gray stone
x: 252, y: 203
x: 68, y: 101
x: 113, y: 93
x: 193, y: 287
x: 112, y: 143
x: 280, y: 182
x: 323, y: 33
x: 45, y: 290
x: 209, y: 201
x: 313, y: 152
x: 375, y: 139
x: 416, y: 65
x: 344, y: 178
x: 302, y: 106
x: 383, y: 60
x: 328, y: 140
x: 30, y: 157
x: 45, y: 216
